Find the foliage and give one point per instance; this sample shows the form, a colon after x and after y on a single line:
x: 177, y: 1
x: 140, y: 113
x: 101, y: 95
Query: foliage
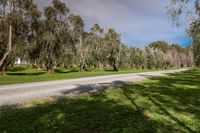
x: 54, y: 37
x: 179, y: 8
x: 194, y: 32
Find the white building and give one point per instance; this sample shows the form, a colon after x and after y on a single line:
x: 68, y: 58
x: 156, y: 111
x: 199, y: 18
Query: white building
x: 20, y: 61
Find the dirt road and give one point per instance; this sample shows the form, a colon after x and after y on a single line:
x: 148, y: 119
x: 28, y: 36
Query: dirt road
x: 22, y: 93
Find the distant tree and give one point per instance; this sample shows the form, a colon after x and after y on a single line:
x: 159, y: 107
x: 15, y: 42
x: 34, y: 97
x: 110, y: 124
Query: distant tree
x: 54, y: 37
x: 113, y: 49
x: 78, y: 35
x: 125, y: 57
x: 151, y: 61
x: 190, y: 57
x: 97, y: 46
x: 160, y: 45
x: 177, y: 47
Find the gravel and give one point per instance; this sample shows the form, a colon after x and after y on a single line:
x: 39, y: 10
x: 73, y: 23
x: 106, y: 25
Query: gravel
x: 24, y: 93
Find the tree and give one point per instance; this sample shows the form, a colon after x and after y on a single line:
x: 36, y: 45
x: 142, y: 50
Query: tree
x: 9, y: 44
x: 52, y: 36
x: 177, y: 9
x: 78, y: 36
x: 96, y: 39
x: 15, y: 29
x: 32, y: 49
x: 56, y: 38
x: 194, y: 32
x: 161, y: 45
x: 113, y: 49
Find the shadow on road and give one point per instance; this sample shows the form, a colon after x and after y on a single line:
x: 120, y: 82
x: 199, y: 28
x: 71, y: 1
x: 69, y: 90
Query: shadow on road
x: 164, y: 104
x: 91, y: 88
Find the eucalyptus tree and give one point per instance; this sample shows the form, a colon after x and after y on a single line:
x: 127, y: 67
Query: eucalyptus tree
x: 150, y: 55
x: 53, y: 31
x: 97, y: 46
x: 179, y: 8
x: 190, y: 57
x: 33, y: 19
x: 48, y: 39
x: 63, y: 33
x: 4, y: 26
x: 138, y: 58
x: 113, y: 49
x: 78, y: 34
x: 15, y: 28
x: 124, y: 58
x: 194, y: 32
x: 55, y: 37
x: 160, y: 45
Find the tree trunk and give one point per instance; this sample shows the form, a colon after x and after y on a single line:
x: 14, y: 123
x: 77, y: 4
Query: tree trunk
x: 81, y: 67
x: 50, y: 68
x: 82, y: 59
x: 1, y: 71
x: 50, y: 71
x: 9, y: 48
x: 115, y: 66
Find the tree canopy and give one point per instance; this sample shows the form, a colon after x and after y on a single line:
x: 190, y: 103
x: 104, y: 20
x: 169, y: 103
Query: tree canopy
x: 55, y: 37
x: 179, y: 8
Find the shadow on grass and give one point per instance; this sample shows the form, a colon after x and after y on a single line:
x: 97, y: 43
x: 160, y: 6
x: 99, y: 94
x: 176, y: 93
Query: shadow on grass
x: 25, y: 73
x: 62, y: 71
x: 17, y: 69
x: 97, y: 114
x: 121, y: 109
x: 111, y: 70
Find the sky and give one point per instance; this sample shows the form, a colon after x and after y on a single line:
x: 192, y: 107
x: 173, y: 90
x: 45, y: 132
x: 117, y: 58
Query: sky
x: 139, y: 22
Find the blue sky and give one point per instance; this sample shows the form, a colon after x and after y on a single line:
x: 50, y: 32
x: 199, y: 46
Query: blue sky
x: 139, y: 22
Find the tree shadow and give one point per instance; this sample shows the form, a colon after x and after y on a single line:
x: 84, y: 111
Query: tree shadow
x: 110, y: 70
x: 120, y: 109
x: 25, y: 73
x: 17, y: 69
x: 179, y: 92
x: 161, y: 104
x: 94, y: 115
x: 91, y: 88
x: 62, y: 71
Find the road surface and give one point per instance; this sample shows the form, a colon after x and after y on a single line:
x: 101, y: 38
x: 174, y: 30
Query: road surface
x: 23, y: 93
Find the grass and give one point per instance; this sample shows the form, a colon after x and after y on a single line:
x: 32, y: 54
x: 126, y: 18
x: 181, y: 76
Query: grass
x: 168, y: 104
x: 26, y: 75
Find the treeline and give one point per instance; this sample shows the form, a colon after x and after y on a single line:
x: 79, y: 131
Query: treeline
x: 55, y: 37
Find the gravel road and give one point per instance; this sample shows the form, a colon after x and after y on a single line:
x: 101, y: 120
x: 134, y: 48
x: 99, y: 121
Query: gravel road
x: 23, y: 93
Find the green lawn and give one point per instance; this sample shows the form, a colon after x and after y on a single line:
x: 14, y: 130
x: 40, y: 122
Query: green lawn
x: 20, y: 75
x: 168, y: 104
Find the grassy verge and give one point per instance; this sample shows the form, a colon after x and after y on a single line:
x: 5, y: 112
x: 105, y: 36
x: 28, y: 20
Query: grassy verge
x: 168, y: 104
x: 33, y: 75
